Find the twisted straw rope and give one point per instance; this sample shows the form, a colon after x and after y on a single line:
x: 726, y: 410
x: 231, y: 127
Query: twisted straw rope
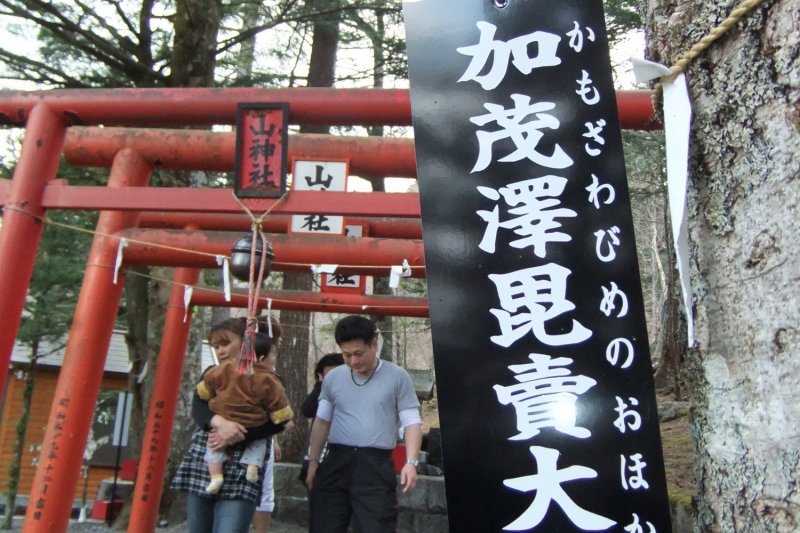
x: 735, y: 16
x: 703, y: 44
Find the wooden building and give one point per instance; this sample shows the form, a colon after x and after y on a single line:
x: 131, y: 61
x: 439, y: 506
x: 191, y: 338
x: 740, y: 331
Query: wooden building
x: 112, y: 409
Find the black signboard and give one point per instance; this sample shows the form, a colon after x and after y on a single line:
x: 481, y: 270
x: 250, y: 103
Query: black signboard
x: 547, y: 403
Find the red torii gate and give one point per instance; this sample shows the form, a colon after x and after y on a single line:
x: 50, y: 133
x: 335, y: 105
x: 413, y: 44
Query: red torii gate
x: 56, y: 120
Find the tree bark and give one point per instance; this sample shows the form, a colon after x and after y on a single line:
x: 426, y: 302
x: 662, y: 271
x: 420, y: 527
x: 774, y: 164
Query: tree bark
x: 194, y: 54
x: 322, y: 62
x: 380, y: 285
x: 136, y: 313
x: 196, y: 25
x: 745, y: 258
x: 293, y: 360
x: 19, y: 443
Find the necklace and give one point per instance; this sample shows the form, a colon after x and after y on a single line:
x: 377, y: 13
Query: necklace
x: 356, y: 383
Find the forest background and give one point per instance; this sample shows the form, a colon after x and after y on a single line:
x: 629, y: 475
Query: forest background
x: 340, y: 43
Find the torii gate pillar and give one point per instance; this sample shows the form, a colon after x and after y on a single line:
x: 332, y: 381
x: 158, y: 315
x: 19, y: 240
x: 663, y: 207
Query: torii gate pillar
x: 58, y: 471
x: 161, y: 413
x: 22, y: 229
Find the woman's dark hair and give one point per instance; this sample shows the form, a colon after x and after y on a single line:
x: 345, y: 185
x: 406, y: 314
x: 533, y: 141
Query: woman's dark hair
x: 238, y: 325
x: 262, y: 345
x: 354, y: 327
x: 329, y: 359
x: 234, y: 325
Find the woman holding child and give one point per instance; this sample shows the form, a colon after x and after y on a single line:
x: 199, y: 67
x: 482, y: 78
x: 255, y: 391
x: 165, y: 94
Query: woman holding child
x: 214, y: 507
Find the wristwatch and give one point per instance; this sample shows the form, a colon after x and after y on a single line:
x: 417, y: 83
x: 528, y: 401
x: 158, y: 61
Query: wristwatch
x: 414, y: 462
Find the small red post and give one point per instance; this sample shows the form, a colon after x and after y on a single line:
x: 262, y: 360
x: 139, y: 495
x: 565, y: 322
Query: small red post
x: 22, y: 229
x: 71, y: 414
x: 161, y: 414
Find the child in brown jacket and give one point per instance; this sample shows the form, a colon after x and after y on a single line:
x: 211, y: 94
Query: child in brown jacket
x: 250, y: 400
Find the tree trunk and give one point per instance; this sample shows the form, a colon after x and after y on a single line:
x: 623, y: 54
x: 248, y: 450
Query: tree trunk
x: 322, y: 62
x: 380, y: 285
x: 673, y: 333
x: 136, y: 302
x: 745, y: 258
x: 293, y: 360
x: 193, y: 61
x: 194, y: 54
x: 19, y: 443
x: 197, y: 24
x: 247, y: 54
x: 293, y: 367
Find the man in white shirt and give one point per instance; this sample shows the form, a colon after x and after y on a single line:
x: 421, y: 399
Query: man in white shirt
x: 362, y: 406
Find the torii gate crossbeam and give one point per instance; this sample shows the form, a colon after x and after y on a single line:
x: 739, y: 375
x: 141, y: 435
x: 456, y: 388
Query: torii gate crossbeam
x: 207, y: 106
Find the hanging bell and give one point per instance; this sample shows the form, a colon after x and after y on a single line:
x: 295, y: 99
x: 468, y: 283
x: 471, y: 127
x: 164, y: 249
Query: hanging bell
x: 240, y: 258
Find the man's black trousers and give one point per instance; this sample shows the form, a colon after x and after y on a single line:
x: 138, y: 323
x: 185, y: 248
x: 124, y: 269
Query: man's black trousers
x: 357, y: 483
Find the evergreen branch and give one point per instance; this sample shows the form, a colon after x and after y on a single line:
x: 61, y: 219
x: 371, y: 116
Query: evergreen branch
x: 124, y: 42
x: 250, y: 32
x: 38, y: 72
x: 81, y: 39
x: 67, y: 31
x: 284, y: 18
x: 145, y: 34
x: 124, y: 16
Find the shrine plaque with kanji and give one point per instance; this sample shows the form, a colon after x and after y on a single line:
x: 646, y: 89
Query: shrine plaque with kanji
x: 347, y: 283
x: 262, y: 136
x: 321, y: 176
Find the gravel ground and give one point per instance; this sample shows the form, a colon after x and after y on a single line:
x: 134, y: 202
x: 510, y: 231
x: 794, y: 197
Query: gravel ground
x: 99, y: 527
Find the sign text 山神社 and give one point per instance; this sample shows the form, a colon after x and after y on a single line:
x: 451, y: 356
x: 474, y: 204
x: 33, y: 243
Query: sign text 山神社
x: 262, y: 147
x: 547, y: 402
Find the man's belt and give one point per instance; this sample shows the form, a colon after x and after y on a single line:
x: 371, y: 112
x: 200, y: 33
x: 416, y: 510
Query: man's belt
x: 380, y: 452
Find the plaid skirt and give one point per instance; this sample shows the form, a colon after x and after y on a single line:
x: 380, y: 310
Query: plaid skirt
x: 193, y: 477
